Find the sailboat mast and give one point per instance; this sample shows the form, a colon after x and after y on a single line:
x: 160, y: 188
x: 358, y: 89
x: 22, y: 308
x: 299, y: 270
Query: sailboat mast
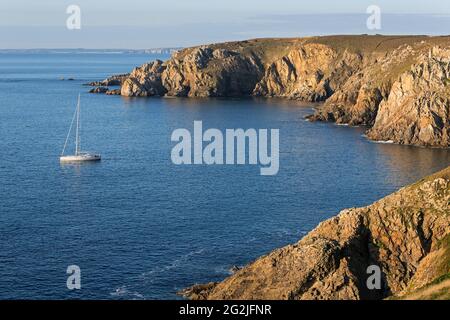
x: 79, y: 156
x: 77, y: 139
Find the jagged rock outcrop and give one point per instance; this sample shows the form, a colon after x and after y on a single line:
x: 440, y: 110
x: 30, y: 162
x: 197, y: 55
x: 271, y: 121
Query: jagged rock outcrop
x: 144, y: 81
x: 207, y: 72
x: 301, y: 74
x: 357, y: 100
x: 105, y: 90
x: 200, y: 72
x: 405, y: 234
x: 311, y: 73
x: 396, y: 84
x: 417, y: 110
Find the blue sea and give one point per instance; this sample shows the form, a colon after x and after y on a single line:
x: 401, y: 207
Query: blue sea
x: 140, y: 227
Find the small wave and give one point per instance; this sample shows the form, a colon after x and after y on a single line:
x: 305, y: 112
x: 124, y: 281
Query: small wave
x: 283, y: 233
x: 384, y: 141
x: 252, y: 239
x: 227, y: 269
x: 222, y: 270
x: 174, y: 264
x: 124, y: 291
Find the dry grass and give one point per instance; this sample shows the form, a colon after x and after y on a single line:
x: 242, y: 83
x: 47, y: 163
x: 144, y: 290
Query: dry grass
x: 353, y: 43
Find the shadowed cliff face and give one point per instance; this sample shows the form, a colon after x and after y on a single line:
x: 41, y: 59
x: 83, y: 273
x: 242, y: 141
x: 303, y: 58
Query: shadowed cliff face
x: 406, y: 234
x: 398, y: 85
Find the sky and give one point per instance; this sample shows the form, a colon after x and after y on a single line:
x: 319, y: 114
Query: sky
x: 140, y: 24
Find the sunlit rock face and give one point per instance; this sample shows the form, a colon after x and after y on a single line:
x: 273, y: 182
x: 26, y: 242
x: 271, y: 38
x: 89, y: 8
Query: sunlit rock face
x: 397, y: 86
x: 406, y: 235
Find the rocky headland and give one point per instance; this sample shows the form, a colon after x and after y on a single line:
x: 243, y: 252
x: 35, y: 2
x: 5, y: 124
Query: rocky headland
x: 406, y: 234
x: 397, y: 86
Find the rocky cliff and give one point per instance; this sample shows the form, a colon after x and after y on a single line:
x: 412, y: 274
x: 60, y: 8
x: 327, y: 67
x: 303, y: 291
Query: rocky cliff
x: 198, y: 72
x: 407, y: 235
x: 397, y: 86
x: 417, y: 109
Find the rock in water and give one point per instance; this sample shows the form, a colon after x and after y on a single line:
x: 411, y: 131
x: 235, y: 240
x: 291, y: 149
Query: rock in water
x: 115, y: 80
x: 114, y: 92
x: 99, y: 90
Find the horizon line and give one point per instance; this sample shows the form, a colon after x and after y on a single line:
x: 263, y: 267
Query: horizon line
x: 227, y: 41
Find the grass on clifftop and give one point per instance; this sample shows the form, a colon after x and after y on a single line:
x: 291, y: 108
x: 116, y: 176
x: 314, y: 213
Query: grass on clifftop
x: 271, y: 48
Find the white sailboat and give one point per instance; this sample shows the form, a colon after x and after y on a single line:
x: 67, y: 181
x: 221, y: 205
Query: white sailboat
x: 79, y: 156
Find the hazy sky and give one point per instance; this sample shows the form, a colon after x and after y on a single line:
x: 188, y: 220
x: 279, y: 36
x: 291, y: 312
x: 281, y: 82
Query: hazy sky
x: 148, y: 24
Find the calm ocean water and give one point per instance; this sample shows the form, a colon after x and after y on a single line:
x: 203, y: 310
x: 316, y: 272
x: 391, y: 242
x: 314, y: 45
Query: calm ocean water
x: 140, y: 227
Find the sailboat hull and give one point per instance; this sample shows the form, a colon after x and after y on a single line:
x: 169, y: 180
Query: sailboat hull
x: 80, y: 158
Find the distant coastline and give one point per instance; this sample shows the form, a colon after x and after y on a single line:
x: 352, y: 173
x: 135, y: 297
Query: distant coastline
x: 91, y: 51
